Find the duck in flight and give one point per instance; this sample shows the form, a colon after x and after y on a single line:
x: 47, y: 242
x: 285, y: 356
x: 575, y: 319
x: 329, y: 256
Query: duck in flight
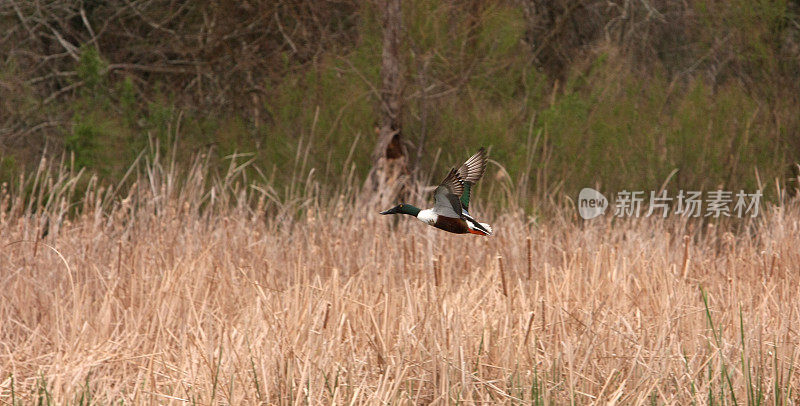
x: 451, y: 200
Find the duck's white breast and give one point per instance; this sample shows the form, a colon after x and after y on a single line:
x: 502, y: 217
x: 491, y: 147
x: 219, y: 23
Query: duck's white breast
x: 428, y: 216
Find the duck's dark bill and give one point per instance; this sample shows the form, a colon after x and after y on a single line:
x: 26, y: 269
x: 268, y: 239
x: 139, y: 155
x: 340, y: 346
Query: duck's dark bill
x: 394, y: 210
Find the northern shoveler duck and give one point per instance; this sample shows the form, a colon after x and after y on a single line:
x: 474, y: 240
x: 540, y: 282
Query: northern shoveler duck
x: 451, y: 200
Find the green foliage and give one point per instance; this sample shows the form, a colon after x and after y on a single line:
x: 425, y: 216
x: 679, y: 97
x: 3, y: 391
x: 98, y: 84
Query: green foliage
x: 608, y: 124
x: 625, y: 133
x: 128, y: 100
x: 755, y: 40
x: 83, y: 143
x: 91, y: 71
x: 8, y: 168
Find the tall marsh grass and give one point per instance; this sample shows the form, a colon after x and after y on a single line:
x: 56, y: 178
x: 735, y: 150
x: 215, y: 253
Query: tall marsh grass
x: 186, y: 287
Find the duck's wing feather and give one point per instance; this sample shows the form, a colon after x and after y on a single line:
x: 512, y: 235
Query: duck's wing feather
x: 465, y: 195
x: 446, y: 201
x: 473, y: 168
x: 459, y: 181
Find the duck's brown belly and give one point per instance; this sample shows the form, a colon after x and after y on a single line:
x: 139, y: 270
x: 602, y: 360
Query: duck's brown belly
x: 453, y: 225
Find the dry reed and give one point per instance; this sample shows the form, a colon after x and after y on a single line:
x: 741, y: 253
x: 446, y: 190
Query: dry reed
x: 183, y: 291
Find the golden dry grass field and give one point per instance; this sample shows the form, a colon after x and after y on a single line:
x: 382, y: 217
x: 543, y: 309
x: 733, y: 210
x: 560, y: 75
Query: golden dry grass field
x: 184, y: 292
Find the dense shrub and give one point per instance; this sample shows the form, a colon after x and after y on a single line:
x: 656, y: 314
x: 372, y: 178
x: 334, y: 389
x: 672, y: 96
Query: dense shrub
x: 616, y: 93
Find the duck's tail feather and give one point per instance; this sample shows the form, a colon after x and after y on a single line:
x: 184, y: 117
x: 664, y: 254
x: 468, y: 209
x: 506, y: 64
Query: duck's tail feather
x: 478, y: 228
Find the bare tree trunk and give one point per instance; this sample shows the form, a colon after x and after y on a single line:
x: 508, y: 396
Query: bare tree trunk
x: 390, y: 158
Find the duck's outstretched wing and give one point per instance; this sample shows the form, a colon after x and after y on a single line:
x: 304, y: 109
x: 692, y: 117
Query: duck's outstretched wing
x: 446, y: 201
x: 467, y: 175
x: 452, y: 195
x: 472, y: 170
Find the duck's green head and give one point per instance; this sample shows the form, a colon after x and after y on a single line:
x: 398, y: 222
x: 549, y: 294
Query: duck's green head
x: 403, y: 208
